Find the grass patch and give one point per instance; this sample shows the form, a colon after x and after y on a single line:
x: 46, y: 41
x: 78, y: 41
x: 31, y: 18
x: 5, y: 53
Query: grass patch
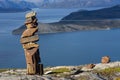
x: 109, y: 71
x: 118, y: 78
x: 3, y: 70
x: 60, y: 70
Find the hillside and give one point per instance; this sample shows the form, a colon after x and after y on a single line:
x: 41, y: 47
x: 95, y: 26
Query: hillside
x: 93, y: 20
x: 9, y: 10
x: 106, y: 13
x: 72, y: 26
x: 15, y: 6
x: 57, y: 3
x: 77, y: 3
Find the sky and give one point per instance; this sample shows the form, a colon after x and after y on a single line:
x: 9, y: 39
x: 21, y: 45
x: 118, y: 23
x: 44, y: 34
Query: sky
x: 36, y: 1
x: 33, y: 0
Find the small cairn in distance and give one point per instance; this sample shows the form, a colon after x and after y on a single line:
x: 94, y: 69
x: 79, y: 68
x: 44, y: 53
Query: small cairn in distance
x: 105, y: 59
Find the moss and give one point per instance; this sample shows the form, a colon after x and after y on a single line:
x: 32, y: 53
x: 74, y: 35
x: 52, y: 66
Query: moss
x: 118, y: 78
x: 109, y: 71
x: 3, y: 70
x: 60, y: 70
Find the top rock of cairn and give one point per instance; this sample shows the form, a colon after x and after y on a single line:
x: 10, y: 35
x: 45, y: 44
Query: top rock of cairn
x: 30, y: 14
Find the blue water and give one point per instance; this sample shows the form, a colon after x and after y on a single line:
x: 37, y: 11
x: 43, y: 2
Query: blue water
x: 72, y: 48
x: 77, y: 48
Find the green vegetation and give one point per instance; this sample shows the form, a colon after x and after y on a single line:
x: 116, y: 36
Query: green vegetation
x: 3, y: 70
x: 109, y: 71
x: 60, y: 70
x: 118, y: 78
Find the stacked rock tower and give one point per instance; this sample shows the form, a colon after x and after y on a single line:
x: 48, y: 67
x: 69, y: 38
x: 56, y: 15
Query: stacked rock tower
x: 29, y: 40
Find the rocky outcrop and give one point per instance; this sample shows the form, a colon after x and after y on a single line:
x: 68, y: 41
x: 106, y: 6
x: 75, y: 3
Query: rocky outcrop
x: 109, y: 71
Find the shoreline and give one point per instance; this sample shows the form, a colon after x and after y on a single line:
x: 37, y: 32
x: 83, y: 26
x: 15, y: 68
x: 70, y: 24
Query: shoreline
x: 61, y: 32
x: 45, y: 28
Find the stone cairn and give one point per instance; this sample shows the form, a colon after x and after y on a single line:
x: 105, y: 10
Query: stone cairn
x: 31, y: 48
x: 105, y: 59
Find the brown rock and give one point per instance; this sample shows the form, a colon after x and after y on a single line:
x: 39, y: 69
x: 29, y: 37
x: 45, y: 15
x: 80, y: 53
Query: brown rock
x: 105, y: 59
x: 28, y: 40
x: 31, y: 69
x: 90, y: 66
x: 28, y: 20
x: 30, y: 25
x: 29, y: 32
x: 32, y: 60
x: 25, y: 40
x: 35, y: 20
x: 30, y: 45
x: 40, y: 67
x: 30, y: 14
x: 35, y: 24
x: 31, y: 20
x: 30, y: 53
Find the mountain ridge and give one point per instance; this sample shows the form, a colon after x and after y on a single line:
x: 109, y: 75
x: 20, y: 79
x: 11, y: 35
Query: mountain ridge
x: 77, y: 3
x: 67, y: 25
x: 46, y: 4
x: 105, y: 13
x: 13, y: 6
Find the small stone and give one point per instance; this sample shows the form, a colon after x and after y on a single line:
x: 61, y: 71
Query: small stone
x: 35, y: 20
x: 90, y: 66
x: 30, y: 14
x: 64, y: 79
x: 28, y: 21
x: 25, y: 40
x: 30, y: 45
x: 46, y: 78
x: 48, y: 72
x: 105, y: 59
x: 31, y: 25
x: 75, y: 72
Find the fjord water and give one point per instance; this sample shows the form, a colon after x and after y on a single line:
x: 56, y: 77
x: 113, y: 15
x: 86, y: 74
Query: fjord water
x: 72, y: 48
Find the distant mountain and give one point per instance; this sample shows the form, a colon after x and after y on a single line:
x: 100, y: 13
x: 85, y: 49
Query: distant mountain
x: 106, y: 13
x: 15, y: 5
x: 11, y: 10
x: 102, y: 19
x: 24, y: 4
x: 77, y: 3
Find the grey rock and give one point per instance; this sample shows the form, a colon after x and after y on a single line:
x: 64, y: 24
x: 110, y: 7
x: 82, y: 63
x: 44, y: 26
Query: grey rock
x: 75, y: 72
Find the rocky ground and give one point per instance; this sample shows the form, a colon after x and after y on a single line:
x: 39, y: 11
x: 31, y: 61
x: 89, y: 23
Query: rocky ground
x: 107, y: 71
